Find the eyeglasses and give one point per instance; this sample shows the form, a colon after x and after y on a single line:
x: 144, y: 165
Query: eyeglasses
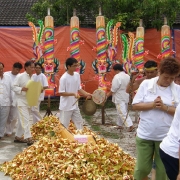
x: 75, y: 65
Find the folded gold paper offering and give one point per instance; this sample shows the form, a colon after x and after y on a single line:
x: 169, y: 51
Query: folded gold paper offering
x: 54, y: 157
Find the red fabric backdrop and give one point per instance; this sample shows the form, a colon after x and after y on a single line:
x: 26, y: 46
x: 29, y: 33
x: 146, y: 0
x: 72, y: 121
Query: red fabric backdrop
x: 16, y: 46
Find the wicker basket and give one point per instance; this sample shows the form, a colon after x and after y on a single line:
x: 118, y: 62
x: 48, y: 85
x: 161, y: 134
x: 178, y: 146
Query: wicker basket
x: 89, y: 107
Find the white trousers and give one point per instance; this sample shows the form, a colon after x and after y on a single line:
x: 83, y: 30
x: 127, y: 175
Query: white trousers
x: 11, y: 121
x: 23, y: 125
x: 74, y: 115
x: 35, y: 113
x: 122, y: 113
x: 4, y: 112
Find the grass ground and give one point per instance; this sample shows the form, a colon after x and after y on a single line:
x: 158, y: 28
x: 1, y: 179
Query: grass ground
x: 98, y: 129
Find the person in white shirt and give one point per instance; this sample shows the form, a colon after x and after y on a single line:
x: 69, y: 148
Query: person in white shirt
x: 150, y: 71
x: 170, y: 148
x: 69, y: 87
x: 12, y: 118
x: 5, y: 103
x: 120, y: 97
x: 39, y: 77
x: 20, y: 89
x: 157, y: 99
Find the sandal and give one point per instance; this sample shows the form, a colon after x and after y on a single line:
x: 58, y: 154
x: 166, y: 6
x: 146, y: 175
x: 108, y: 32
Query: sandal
x: 131, y: 129
x: 8, y: 135
x: 30, y: 142
x: 19, y: 140
x: 119, y: 127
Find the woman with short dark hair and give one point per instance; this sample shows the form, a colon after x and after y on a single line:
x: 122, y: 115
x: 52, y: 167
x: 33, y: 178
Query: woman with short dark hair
x: 157, y: 99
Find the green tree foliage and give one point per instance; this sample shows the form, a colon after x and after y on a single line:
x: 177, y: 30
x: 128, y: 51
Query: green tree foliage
x: 127, y: 11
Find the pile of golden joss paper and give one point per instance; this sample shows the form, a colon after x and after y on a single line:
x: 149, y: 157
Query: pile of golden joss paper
x: 53, y: 157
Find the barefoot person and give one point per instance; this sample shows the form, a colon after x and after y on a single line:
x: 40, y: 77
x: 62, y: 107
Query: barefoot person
x: 120, y: 97
x: 69, y: 89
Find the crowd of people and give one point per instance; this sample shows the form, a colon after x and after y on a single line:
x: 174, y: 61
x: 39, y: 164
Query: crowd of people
x: 155, y: 95
x: 14, y: 109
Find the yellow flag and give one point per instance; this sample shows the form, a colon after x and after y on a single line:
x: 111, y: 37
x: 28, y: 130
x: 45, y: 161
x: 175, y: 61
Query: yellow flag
x: 33, y: 93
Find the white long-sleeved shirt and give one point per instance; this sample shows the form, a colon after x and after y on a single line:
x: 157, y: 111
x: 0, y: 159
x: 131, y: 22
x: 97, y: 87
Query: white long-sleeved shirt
x: 12, y: 78
x: 5, y: 91
x: 20, y: 96
x: 119, y: 84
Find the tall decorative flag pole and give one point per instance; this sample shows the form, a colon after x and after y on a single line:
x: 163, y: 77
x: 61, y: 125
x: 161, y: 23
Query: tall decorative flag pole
x: 49, y: 38
x: 49, y: 62
x: 102, y: 64
x: 139, y: 47
x: 101, y: 37
x: 165, y: 41
x: 75, y: 42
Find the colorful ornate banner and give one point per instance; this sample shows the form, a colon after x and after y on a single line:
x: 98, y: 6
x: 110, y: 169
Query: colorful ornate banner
x: 112, y: 38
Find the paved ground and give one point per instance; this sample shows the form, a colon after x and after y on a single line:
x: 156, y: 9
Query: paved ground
x: 8, y: 149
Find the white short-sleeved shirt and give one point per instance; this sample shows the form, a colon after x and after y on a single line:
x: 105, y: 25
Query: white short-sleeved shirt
x: 72, y: 84
x: 170, y: 144
x: 154, y: 124
x: 119, y: 84
x: 43, y: 79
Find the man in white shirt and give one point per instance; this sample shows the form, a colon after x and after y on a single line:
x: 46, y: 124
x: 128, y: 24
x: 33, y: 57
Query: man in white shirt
x: 39, y: 77
x: 69, y: 87
x: 20, y: 89
x: 5, y: 93
x: 120, y: 97
x: 12, y: 118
